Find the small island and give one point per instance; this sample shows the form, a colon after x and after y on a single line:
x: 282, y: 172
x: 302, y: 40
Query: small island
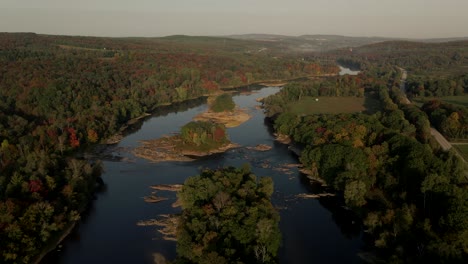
x: 223, y: 110
x: 203, y: 137
x: 227, y: 217
x: 197, y: 139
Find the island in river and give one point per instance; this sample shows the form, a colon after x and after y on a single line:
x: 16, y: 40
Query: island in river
x: 203, y: 137
x: 172, y: 148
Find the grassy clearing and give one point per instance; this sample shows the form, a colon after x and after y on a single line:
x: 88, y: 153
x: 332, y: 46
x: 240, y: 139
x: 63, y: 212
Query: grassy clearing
x: 335, y: 105
x: 463, y: 149
x: 461, y: 100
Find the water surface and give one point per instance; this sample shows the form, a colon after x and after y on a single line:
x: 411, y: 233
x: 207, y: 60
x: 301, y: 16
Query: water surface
x: 344, y: 71
x: 313, y: 231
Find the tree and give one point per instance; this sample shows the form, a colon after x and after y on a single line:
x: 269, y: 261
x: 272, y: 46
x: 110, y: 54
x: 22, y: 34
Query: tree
x: 223, y: 103
x: 227, y: 217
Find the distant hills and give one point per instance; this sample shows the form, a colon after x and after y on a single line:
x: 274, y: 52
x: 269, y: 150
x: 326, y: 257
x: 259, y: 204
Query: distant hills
x: 270, y: 44
x: 311, y: 43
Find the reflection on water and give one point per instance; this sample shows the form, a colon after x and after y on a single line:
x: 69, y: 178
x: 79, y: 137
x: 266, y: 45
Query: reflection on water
x: 313, y: 231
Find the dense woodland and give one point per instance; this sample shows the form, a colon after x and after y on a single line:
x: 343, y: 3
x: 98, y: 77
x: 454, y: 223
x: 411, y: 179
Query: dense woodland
x: 227, y: 218
x: 203, y: 135
x: 426, y: 86
x: 434, y: 70
x: 62, y: 94
x: 223, y: 103
x: 451, y: 120
x: 411, y: 196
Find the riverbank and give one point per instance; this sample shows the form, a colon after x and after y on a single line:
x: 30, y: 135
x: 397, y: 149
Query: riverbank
x: 116, y: 138
x: 128, y: 182
x: 54, y: 243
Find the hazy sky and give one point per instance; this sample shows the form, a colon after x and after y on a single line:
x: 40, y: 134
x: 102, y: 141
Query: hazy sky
x: 388, y: 18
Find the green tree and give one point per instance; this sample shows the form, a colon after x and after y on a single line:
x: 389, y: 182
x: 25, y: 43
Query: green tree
x: 223, y: 103
x: 227, y: 217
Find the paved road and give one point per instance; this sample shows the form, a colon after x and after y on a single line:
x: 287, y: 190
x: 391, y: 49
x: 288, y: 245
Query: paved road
x: 443, y: 142
x: 441, y: 139
x: 404, y: 75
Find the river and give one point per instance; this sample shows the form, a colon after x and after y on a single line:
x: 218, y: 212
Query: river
x: 313, y: 231
x: 344, y: 70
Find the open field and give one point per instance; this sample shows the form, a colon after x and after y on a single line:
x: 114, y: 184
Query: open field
x: 461, y: 100
x: 335, y: 105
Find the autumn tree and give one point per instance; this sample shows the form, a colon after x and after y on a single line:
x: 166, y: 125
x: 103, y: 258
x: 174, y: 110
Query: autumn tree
x: 228, y: 217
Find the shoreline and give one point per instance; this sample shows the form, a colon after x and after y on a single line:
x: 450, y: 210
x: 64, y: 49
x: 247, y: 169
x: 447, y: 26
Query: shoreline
x: 116, y: 138
x: 54, y: 244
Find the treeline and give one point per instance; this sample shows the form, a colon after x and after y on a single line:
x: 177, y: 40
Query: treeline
x: 330, y: 86
x: 412, y: 197
x: 79, y: 87
x: 435, y: 69
x: 223, y: 103
x: 449, y: 86
x: 204, y: 134
x: 414, y: 115
x: 414, y: 56
x: 59, y: 94
x: 41, y: 194
x: 450, y: 119
x: 227, y: 217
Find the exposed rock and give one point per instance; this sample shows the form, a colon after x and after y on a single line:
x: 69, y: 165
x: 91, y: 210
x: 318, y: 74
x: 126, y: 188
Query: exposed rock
x: 261, y: 147
x: 167, y: 187
x: 314, y: 196
x: 229, y: 119
x: 151, y: 222
x: 164, y: 149
x: 292, y: 165
x: 158, y: 258
x: 168, y: 224
x: 176, y: 204
x: 154, y: 199
x: 114, y: 139
x: 285, y: 139
x: 312, y: 176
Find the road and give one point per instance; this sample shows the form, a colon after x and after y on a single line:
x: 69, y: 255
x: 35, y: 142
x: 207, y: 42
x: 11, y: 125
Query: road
x: 441, y: 139
x: 443, y: 142
x: 404, y: 75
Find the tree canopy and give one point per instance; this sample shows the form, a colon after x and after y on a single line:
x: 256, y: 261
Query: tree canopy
x: 227, y: 217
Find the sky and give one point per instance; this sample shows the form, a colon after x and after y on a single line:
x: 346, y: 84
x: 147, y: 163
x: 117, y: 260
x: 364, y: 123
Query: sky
x: 153, y: 18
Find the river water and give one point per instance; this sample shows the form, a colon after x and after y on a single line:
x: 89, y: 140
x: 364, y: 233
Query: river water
x: 313, y: 231
x: 348, y: 71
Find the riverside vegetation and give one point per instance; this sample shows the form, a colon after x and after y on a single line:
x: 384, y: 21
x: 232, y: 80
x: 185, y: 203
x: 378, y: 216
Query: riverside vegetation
x: 197, y: 138
x: 411, y: 196
x: 227, y: 217
x: 59, y: 95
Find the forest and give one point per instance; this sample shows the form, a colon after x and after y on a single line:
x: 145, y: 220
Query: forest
x: 203, y: 135
x: 223, y: 103
x: 385, y: 166
x: 227, y: 217
x: 60, y: 95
